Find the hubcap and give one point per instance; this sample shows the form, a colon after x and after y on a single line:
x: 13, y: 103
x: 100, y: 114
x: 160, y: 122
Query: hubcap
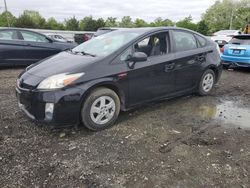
x: 102, y: 110
x: 208, y: 82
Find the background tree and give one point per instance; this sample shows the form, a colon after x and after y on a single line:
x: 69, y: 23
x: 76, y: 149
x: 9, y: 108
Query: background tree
x: 54, y: 25
x: 218, y: 15
x: 187, y: 23
x: 72, y: 24
x: 30, y: 19
x: 140, y: 23
x: 126, y: 22
x: 99, y: 23
x: 202, y: 27
x: 111, y: 22
x: 3, y: 19
x: 159, y: 22
x: 90, y: 24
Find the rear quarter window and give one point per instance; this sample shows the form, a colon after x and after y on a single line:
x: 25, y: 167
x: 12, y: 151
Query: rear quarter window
x: 202, y: 42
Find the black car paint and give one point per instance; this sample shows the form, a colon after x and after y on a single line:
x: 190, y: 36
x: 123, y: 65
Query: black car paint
x: 21, y: 52
x: 159, y: 77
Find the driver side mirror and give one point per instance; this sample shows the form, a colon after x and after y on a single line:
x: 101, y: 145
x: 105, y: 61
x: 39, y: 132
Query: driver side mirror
x: 136, y: 57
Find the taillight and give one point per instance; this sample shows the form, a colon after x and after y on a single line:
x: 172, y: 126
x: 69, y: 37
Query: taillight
x: 222, y: 49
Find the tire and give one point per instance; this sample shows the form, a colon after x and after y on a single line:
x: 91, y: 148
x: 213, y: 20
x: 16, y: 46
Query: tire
x: 100, y: 109
x: 207, y: 82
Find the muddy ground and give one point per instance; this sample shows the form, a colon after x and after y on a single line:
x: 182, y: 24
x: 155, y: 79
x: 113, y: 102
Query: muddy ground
x: 186, y: 142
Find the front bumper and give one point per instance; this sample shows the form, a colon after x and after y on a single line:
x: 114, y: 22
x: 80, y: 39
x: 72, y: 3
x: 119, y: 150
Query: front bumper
x: 67, y: 105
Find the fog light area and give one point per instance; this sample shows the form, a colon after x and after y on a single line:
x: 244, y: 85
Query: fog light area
x: 49, y: 109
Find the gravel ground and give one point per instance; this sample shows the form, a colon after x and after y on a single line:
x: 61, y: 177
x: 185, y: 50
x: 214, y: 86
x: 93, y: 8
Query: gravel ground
x: 186, y: 142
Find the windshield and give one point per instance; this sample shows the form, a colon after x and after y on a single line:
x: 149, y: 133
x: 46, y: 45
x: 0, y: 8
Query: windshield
x: 106, y: 44
x: 240, y: 41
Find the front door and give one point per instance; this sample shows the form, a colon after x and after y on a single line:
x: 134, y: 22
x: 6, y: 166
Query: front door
x: 153, y: 78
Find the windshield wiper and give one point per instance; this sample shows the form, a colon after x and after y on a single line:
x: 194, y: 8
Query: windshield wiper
x: 85, y: 53
x: 82, y: 52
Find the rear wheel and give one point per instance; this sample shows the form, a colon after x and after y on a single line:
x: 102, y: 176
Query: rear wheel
x: 101, y: 109
x: 207, y: 82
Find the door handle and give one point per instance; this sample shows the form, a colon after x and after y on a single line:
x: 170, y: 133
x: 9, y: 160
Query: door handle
x: 169, y: 67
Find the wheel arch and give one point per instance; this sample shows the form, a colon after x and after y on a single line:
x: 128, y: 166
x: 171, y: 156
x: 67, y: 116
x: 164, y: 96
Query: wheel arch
x: 215, y: 70
x: 110, y: 84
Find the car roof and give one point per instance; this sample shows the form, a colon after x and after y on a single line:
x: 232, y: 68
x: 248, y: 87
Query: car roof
x: 18, y: 29
x: 146, y: 30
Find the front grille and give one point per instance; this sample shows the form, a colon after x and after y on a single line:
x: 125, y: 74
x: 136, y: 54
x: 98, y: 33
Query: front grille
x: 24, y: 98
x: 25, y: 86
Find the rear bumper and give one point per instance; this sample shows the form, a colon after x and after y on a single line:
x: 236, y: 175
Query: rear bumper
x: 235, y: 61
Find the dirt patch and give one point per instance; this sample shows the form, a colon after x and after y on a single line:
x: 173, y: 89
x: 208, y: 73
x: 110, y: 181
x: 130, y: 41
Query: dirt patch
x: 186, y: 142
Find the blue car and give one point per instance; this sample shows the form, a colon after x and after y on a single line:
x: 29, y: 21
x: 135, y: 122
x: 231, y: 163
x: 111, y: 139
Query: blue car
x: 237, y: 52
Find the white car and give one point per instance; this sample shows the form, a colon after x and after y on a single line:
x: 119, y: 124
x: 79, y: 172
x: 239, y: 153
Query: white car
x: 57, y: 37
x: 224, y: 36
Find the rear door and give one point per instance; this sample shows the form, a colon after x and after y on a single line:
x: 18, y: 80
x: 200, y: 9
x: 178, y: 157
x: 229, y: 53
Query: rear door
x: 188, y: 59
x: 12, y: 49
x: 37, y: 46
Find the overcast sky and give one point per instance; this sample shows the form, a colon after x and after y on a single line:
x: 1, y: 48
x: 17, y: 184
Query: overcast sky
x: 145, y: 9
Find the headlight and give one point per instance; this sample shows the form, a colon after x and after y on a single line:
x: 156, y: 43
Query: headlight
x: 59, y: 81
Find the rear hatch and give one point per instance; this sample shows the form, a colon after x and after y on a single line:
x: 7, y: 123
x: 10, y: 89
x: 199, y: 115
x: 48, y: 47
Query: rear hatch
x: 239, y: 46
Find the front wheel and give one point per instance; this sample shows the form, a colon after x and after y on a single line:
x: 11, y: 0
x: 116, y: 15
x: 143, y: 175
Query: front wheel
x: 207, y: 82
x: 101, y: 109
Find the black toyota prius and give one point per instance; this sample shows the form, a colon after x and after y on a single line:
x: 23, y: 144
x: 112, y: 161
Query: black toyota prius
x: 116, y: 71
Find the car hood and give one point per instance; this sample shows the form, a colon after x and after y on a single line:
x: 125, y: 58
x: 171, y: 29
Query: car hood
x: 64, y: 62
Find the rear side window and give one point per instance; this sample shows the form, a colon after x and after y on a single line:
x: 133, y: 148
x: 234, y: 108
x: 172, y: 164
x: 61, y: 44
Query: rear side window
x: 240, y: 41
x: 8, y: 35
x: 184, y: 41
x: 201, y: 41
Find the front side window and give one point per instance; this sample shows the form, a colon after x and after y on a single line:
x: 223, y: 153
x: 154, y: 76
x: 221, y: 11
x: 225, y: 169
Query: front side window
x: 33, y: 37
x: 157, y: 44
x: 8, y: 35
x: 108, y: 43
x: 184, y: 41
x: 126, y: 54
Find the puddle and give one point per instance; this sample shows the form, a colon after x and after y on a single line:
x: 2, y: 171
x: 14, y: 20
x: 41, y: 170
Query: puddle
x: 231, y: 114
